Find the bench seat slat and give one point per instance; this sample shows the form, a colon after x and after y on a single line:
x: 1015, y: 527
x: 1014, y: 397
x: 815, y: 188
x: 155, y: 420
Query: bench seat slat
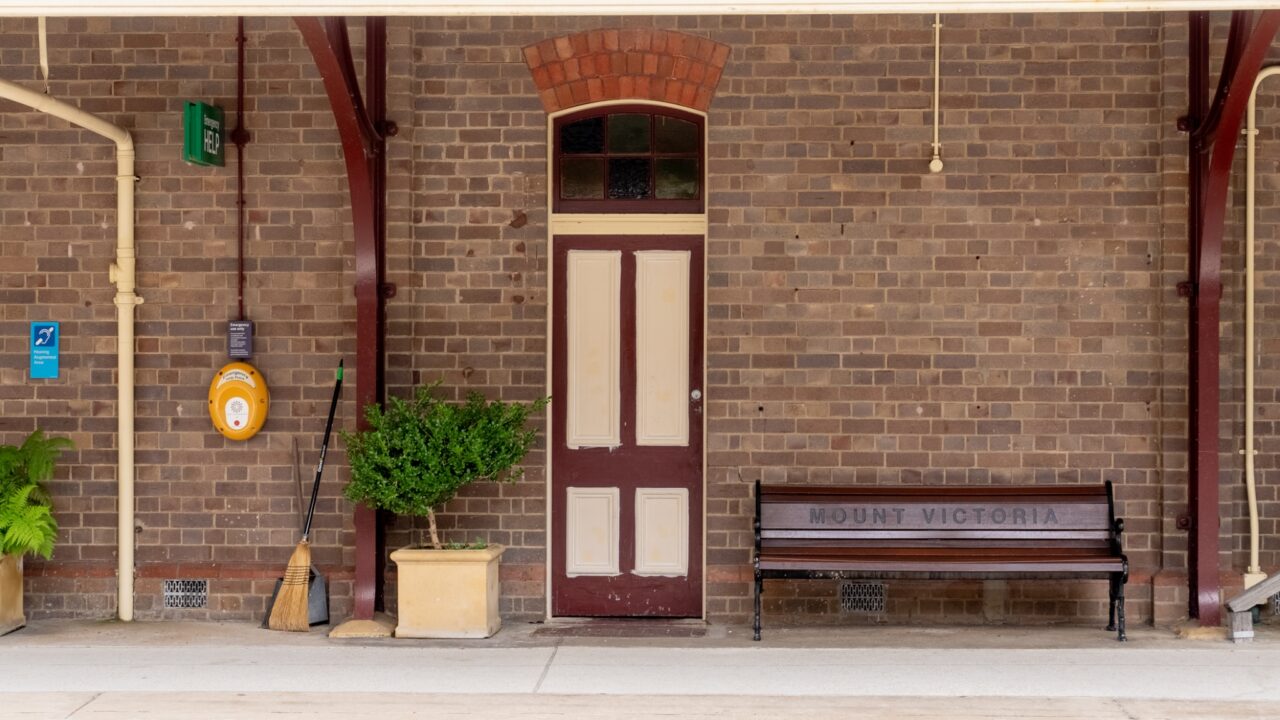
x: 939, y: 559
x: 907, y: 552
x: 786, y: 543
x: 1047, y: 536
x: 975, y: 565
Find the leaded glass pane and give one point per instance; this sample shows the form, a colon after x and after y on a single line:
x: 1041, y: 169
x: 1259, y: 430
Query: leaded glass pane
x: 582, y: 179
x: 628, y: 178
x: 583, y: 137
x: 628, y: 133
x: 676, y: 136
x: 677, y: 179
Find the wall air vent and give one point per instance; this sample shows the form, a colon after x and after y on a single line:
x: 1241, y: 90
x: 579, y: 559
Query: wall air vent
x: 186, y: 594
x: 863, y: 598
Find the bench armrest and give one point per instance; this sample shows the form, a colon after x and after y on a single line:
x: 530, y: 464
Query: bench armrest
x: 1117, y: 530
x: 755, y: 524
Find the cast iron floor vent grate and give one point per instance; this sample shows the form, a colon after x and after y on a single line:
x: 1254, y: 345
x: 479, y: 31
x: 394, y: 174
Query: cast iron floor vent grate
x: 186, y: 593
x: 864, y: 598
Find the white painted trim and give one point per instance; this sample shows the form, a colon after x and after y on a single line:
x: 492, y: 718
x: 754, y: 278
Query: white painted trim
x: 628, y: 224
x: 706, y: 303
x: 549, y: 418
x: 457, y: 8
x: 552, y: 117
x: 550, y: 371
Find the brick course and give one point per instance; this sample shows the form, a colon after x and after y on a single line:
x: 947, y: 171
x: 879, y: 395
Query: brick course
x: 1011, y: 319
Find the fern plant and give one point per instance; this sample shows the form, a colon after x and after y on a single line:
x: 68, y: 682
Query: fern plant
x: 27, y: 526
x: 417, y: 454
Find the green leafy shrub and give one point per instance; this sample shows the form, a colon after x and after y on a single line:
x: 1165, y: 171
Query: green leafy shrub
x: 27, y: 526
x: 417, y: 454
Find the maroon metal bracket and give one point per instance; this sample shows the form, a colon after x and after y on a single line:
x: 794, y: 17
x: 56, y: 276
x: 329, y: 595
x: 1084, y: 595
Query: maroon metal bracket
x: 1213, y: 133
x: 363, y: 148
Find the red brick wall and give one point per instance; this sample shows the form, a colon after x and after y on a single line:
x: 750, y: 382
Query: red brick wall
x: 1011, y: 319
x: 610, y: 64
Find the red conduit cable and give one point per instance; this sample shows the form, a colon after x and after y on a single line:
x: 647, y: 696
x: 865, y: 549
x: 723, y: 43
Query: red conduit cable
x: 240, y: 137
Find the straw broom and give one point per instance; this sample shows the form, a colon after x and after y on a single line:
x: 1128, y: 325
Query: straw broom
x: 290, y: 611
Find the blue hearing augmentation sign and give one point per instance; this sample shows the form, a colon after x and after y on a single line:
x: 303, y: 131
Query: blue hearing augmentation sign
x: 44, y: 350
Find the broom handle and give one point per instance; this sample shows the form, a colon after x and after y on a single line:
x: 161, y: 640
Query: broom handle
x: 324, y: 448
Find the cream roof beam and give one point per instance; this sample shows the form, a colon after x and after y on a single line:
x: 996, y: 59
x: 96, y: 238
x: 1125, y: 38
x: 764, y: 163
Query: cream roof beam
x: 160, y: 8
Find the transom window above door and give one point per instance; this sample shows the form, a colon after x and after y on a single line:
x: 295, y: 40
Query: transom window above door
x: 629, y: 159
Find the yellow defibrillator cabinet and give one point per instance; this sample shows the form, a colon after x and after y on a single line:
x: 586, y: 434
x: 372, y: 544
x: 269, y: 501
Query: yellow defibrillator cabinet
x: 238, y: 401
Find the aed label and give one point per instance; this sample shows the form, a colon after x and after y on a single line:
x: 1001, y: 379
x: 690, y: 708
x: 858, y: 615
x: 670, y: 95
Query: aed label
x: 238, y: 401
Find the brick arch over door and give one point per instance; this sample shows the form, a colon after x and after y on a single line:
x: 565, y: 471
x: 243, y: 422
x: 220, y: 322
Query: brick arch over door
x: 631, y: 64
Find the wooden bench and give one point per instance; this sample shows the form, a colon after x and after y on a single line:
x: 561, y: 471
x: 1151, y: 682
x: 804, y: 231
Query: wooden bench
x: 990, y: 531
x: 1240, y: 608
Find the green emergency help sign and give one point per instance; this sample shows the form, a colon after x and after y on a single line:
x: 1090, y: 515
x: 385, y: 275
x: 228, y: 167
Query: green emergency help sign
x: 203, y: 130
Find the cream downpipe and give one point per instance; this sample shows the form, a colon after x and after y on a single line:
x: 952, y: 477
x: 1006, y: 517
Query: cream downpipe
x: 123, y: 275
x: 1253, y: 574
x: 935, y: 164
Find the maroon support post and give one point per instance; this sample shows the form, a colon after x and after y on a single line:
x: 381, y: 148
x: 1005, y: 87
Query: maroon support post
x: 1212, y: 147
x: 363, y: 146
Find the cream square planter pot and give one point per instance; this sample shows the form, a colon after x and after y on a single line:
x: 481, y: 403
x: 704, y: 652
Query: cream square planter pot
x: 448, y: 593
x: 11, y: 617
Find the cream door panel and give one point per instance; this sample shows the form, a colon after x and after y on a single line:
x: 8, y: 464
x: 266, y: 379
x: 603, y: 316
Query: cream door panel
x: 662, y: 532
x: 662, y: 348
x: 592, y: 531
x: 594, y: 349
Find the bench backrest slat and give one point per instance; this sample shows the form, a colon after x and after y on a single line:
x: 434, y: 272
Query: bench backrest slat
x: 815, y: 493
x: 1033, y: 514
x: 937, y: 515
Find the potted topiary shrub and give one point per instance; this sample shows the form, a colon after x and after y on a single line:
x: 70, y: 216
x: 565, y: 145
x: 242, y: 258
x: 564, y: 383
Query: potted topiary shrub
x: 27, y: 526
x: 412, y: 459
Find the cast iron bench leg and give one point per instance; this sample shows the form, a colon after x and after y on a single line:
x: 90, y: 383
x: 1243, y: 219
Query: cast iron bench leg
x: 1112, y: 582
x: 759, y: 591
x: 1120, y: 602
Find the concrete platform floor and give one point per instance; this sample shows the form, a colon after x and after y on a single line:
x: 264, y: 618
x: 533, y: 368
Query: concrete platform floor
x: 79, y: 669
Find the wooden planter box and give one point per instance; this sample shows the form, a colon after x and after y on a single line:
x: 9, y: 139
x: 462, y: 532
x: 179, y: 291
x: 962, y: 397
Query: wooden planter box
x: 11, y: 617
x: 448, y: 593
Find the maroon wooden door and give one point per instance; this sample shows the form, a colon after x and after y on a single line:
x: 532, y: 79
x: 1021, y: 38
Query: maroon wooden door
x: 627, y: 438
